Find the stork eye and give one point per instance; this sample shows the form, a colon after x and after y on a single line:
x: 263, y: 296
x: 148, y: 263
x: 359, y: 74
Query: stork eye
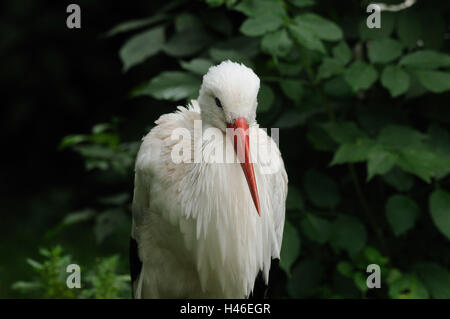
x: 218, y: 102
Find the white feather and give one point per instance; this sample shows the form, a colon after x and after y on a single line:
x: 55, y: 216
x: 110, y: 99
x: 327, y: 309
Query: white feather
x: 198, y: 232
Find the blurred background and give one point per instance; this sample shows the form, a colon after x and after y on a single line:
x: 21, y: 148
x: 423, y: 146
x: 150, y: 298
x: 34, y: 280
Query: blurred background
x: 364, y: 132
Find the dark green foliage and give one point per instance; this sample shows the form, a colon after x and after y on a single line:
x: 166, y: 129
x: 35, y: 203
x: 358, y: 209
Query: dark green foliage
x: 364, y: 134
x: 102, y: 149
x: 50, y: 278
x: 50, y: 281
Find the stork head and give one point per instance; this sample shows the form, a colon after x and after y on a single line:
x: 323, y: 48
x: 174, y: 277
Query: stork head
x: 229, y: 91
x: 228, y: 99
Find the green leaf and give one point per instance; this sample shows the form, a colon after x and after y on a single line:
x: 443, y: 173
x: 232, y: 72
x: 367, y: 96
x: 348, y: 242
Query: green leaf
x: 373, y: 256
x: 289, y: 69
x: 187, y: 21
x: 198, y: 66
x: 302, y: 3
x: 316, y: 228
x: 422, y: 162
x: 35, y: 264
x: 319, y: 139
x: 293, y: 89
x: 101, y: 128
x: 187, y: 42
x: 415, y: 89
x: 110, y: 139
x: 71, y: 140
x: 395, y: 80
x: 439, y: 142
x: 342, y: 52
x: 344, y: 132
x: 95, y: 151
x: 398, y: 136
x: 289, y: 119
x: 141, y: 46
x: 78, y: 217
x: 426, y: 59
x: 439, y: 204
x: 134, y: 24
x: 330, y: 67
x: 345, y: 268
x: 434, y: 81
x: 439, y: 138
x: 400, y: 180
x: 171, y: 85
x: 380, y: 161
x: 360, y: 281
x: 435, y: 278
x: 408, y: 287
x: 360, y: 76
x: 26, y: 286
x: 254, y: 8
x: 290, y: 249
x: 414, y: 154
x: 96, y: 164
x: 44, y: 252
x: 373, y: 119
x: 401, y: 213
x: 243, y: 45
x: 260, y: 25
x: 353, y: 152
x: 294, y: 199
x: 277, y: 43
x: 387, y: 23
x: 215, y: 3
x: 393, y: 275
x: 219, y: 55
x: 265, y: 98
x: 319, y: 26
x: 115, y: 200
x: 355, y: 143
x: 305, y: 279
x: 338, y: 87
x: 384, y: 50
x: 322, y: 191
x: 306, y: 38
x: 349, y: 234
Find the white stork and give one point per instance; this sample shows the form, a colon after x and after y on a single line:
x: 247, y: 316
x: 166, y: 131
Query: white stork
x: 202, y: 229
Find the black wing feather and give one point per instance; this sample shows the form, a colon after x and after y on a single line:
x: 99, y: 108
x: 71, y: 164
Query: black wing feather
x: 135, y: 263
x: 260, y: 289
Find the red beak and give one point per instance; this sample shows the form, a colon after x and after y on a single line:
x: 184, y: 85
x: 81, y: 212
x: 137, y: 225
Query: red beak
x: 242, y: 148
